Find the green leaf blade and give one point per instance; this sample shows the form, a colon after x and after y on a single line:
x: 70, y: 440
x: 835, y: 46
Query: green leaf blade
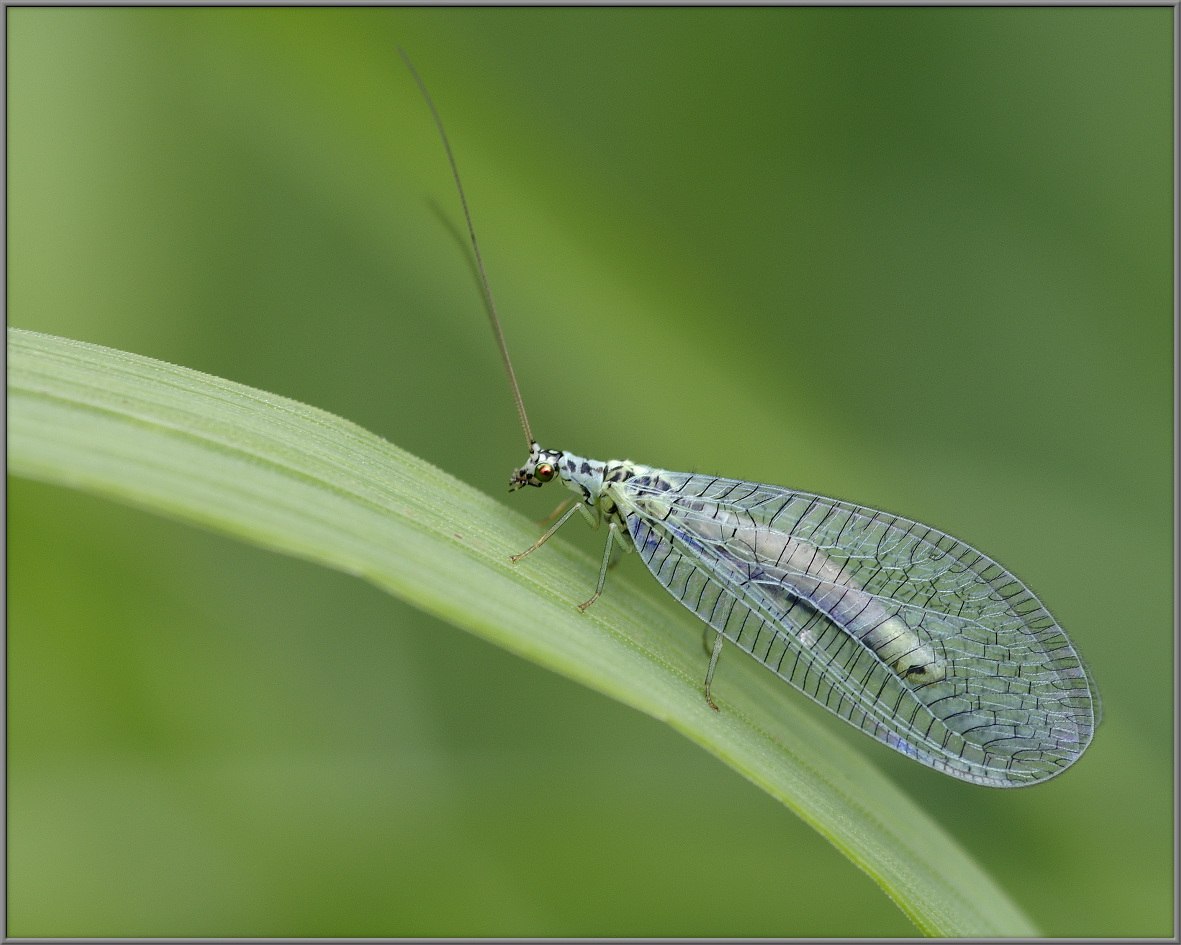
x: 294, y: 479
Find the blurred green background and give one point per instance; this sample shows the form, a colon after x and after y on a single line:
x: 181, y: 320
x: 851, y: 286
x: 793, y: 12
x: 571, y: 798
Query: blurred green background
x: 917, y: 258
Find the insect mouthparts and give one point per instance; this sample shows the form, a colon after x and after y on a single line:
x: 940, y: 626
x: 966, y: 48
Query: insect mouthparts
x: 519, y: 478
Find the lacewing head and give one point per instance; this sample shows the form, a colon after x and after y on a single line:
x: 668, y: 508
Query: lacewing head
x: 541, y: 467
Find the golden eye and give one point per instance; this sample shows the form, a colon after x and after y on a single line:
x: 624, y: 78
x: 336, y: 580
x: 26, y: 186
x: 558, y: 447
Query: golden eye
x: 544, y: 472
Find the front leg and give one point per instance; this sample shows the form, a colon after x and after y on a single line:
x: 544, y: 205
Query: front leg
x: 549, y: 532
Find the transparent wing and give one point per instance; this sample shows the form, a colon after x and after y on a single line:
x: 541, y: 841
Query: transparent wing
x: 905, y: 632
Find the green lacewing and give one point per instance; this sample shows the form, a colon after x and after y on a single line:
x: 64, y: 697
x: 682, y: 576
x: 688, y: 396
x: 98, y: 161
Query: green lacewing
x: 903, y: 631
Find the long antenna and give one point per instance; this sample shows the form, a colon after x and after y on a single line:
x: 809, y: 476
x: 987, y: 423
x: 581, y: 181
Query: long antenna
x: 489, y: 303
